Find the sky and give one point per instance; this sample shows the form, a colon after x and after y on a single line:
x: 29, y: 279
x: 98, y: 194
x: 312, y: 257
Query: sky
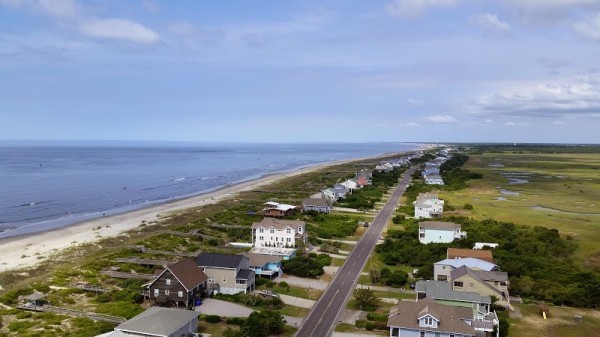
x: 301, y: 70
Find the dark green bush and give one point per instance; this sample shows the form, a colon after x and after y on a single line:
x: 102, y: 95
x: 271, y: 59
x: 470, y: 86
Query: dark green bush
x: 213, y: 318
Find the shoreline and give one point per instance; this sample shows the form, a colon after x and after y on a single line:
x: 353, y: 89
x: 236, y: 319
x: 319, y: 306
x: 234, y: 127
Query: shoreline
x: 28, y: 250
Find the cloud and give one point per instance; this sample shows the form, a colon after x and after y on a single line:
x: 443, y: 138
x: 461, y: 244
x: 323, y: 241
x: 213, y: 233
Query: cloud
x: 557, y: 122
x: 579, y: 96
x: 415, y: 101
x: 119, y: 29
x: 589, y: 26
x: 58, y: 8
x: 412, y: 8
x: 411, y: 124
x: 489, y: 23
x: 441, y: 119
x: 510, y: 123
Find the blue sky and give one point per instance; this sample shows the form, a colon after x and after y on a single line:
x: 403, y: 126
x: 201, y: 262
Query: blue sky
x: 301, y: 71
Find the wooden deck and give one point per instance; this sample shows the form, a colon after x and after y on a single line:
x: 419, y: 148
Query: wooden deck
x: 119, y: 274
x: 145, y: 262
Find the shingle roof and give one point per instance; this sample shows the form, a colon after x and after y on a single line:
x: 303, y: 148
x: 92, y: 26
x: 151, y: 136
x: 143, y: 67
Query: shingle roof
x: 405, y: 315
x: 470, y: 262
x: 219, y: 260
x: 245, y: 274
x: 475, y: 274
x: 442, y: 290
x: 158, y: 321
x: 315, y: 202
x: 188, y: 273
x: 278, y: 223
x: 481, y: 254
x: 439, y: 225
x: 499, y: 276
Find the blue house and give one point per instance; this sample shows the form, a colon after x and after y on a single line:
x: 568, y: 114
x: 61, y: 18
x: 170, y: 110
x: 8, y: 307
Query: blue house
x: 265, y: 265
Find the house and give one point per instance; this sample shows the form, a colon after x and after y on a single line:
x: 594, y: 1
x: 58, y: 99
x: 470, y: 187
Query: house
x: 442, y: 269
x: 439, y: 232
x: 340, y: 191
x: 180, y: 284
x: 350, y: 184
x: 329, y: 195
x: 434, y: 179
x: 384, y: 166
x: 362, y: 181
x: 277, y: 210
x: 227, y: 274
x: 459, y: 253
x: 271, y: 232
x: 158, y: 322
x: 486, y: 283
x: 423, y: 319
x: 265, y: 265
x: 442, y: 293
x: 319, y: 205
x: 428, y: 205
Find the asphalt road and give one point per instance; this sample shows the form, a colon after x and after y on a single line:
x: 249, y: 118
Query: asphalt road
x: 323, y: 317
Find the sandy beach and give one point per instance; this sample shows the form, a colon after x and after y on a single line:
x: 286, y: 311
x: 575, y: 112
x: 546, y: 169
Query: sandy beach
x: 28, y: 250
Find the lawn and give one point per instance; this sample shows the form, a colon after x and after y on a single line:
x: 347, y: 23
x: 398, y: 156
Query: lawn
x: 562, y: 192
x: 560, y: 322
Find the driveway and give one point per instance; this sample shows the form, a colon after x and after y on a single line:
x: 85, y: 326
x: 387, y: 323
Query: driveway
x: 211, y: 306
x: 308, y: 283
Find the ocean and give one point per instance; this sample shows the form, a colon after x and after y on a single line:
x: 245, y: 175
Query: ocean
x: 47, y: 186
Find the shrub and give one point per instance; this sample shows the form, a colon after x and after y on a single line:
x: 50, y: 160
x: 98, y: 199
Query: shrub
x: 360, y: 323
x: 370, y: 326
x: 236, y: 321
x: 260, y: 281
x: 398, y: 219
x: 283, y: 284
x: 270, y: 284
x: 213, y: 318
x: 468, y: 207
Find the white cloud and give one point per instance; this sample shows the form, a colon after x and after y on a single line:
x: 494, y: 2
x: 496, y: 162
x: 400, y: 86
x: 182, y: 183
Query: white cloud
x: 489, y: 23
x: 589, y: 27
x: 579, y: 96
x: 119, y: 29
x: 411, y: 124
x: 516, y: 123
x: 58, y: 8
x: 415, y: 101
x: 411, y: 8
x: 441, y: 119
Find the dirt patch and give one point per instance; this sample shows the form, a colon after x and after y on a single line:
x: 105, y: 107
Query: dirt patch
x: 593, y: 261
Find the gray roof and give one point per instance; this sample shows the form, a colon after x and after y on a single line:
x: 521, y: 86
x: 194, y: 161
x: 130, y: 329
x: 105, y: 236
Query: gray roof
x: 439, y: 225
x: 441, y: 290
x: 470, y: 262
x: 315, y: 202
x: 158, y: 321
x: 245, y: 274
x: 406, y: 315
x: 485, y: 275
x: 278, y: 223
x: 475, y: 274
x: 219, y: 260
x: 259, y: 260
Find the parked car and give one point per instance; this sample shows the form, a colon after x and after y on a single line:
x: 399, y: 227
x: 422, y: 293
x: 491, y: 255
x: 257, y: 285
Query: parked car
x: 268, y: 293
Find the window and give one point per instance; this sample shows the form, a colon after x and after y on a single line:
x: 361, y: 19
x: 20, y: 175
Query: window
x: 261, y: 230
x: 458, y: 284
x: 168, y: 281
x: 437, y: 334
x: 276, y: 239
x: 289, y: 231
x: 166, y: 292
x: 262, y: 238
x: 451, y: 335
x: 300, y: 229
x: 289, y: 239
x: 211, y: 280
x: 422, y: 235
x: 272, y: 230
x: 422, y: 334
x: 180, y: 293
x: 156, y: 292
x: 428, y: 321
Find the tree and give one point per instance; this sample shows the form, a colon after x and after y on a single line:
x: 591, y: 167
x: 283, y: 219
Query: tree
x: 375, y: 276
x: 366, y: 299
x: 263, y: 324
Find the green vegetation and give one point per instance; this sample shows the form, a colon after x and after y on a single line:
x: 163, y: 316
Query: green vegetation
x: 259, y: 324
x: 455, y: 177
x: 329, y: 226
x: 365, y: 198
x: 366, y: 299
x: 306, y: 266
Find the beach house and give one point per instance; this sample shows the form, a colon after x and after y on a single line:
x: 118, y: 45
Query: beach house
x: 443, y: 268
x: 265, y: 265
x: 313, y: 204
x: 434, y: 179
x: 271, y: 232
x: 426, y: 319
x: 227, y: 274
x: 486, y: 283
x: 277, y: 210
x: 158, y: 322
x: 428, y: 206
x: 439, y: 232
x: 181, y: 284
x: 441, y: 292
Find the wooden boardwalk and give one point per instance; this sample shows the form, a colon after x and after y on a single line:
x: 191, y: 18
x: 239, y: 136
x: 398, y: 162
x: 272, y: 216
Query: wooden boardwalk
x: 144, y: 262
x: 119, y: 274
x: 73, y: 312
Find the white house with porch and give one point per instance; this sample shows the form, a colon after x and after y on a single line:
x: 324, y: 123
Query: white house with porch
x: 428, y: 205
x: 271, y: 232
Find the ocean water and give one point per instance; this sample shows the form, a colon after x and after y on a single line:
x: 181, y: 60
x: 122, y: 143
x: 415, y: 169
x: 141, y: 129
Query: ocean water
x: 47, y: 186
